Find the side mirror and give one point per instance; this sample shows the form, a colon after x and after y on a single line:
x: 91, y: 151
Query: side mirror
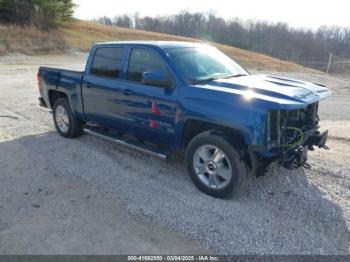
x: 157, y: 78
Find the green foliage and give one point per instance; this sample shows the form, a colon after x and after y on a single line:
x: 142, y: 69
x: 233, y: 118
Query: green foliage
x: 42, y: 13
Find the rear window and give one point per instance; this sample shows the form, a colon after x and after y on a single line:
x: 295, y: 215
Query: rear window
x: 108, y: 62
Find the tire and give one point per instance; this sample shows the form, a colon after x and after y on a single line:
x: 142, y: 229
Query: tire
x: 73, y: 127
x: 205, y: 172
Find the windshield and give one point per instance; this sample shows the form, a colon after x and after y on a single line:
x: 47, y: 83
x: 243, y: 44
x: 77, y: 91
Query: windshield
x: 204, y: 63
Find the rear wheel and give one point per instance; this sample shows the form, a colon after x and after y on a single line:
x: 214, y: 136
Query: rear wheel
x: 215, y: 165
x: 66, y: 124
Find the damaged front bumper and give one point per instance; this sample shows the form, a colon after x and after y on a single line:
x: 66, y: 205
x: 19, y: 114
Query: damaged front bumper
x: 297, y: 157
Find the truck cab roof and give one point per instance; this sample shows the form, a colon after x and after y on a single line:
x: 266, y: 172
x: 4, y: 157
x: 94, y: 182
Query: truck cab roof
x: 161, y: 44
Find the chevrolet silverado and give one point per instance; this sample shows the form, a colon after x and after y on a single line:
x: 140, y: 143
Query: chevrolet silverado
x: 163, y: 97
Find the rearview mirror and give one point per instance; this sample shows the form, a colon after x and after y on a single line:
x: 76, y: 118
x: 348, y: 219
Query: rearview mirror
x: 157, y: 78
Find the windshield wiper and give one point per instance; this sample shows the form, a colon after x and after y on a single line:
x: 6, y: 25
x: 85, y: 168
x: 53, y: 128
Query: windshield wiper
x: 232, y: 76
x: 205, y: 80
x: 216, y: 78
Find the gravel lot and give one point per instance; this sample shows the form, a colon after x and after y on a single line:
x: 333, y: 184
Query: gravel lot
x: 88, y: 196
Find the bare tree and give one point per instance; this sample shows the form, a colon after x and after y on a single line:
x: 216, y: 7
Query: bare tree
x: 274, y: 39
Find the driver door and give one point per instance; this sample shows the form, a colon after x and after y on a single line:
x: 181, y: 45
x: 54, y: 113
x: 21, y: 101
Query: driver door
x: 148, y: 111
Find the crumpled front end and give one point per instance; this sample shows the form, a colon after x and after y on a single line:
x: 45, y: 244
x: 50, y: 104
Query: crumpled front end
x: 291, y: 133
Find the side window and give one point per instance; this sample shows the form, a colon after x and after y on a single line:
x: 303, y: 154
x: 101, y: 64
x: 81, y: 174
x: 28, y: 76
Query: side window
x: 143, y: 60
x: 107, y: 62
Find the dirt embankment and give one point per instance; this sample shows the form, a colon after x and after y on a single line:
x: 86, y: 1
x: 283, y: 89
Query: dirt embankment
x: 80, y: 35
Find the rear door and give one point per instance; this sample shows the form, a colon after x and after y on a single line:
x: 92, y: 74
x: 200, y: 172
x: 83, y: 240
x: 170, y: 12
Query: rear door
x: 148, y: 111
x: 101, y: 85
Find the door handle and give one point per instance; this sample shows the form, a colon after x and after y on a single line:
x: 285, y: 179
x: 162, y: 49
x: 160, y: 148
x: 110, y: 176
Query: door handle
x: 88, y: 85
x: 127, y: 92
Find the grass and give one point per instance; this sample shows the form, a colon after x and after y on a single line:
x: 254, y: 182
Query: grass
x: 81, y: 35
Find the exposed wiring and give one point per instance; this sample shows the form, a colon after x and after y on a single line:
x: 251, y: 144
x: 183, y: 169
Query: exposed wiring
x: 298, y: 142
x: 301, y: 138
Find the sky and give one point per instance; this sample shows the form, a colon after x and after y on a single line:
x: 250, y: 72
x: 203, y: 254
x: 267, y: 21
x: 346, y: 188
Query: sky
x: 297, y: 13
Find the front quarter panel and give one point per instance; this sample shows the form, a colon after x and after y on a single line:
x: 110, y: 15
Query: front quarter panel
x: 245, y: 116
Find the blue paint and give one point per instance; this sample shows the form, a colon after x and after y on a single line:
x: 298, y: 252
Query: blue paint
x: 240, y: 103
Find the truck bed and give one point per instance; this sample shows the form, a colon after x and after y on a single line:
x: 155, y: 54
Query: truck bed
x: 61, y: 80
x: 53, y: 77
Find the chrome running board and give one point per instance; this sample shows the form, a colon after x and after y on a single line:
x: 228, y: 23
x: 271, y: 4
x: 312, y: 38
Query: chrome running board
x: 131, y: 144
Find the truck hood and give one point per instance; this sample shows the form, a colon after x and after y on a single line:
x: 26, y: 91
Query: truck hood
x: 272, y: 88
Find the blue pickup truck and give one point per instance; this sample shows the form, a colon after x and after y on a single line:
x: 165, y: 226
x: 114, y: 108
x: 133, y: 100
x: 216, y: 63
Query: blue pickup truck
x: 166, y: 97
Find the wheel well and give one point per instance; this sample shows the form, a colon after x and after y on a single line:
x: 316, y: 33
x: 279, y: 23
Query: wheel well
x: 195, y: 127
x: 54, y: 95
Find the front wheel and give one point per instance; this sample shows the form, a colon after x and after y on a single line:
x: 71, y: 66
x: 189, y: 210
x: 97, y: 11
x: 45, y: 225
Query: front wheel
x: 66, y: 124
x: 215, y: 166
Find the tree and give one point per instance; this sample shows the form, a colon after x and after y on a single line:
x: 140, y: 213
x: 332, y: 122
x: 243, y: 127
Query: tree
x: 123, y: 21
x: 42, y: 13
x: 274, y: 39
x: 16, y: 11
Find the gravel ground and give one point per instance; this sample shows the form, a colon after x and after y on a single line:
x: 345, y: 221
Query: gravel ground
x: 284, y: 212
x: 43, y: 209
